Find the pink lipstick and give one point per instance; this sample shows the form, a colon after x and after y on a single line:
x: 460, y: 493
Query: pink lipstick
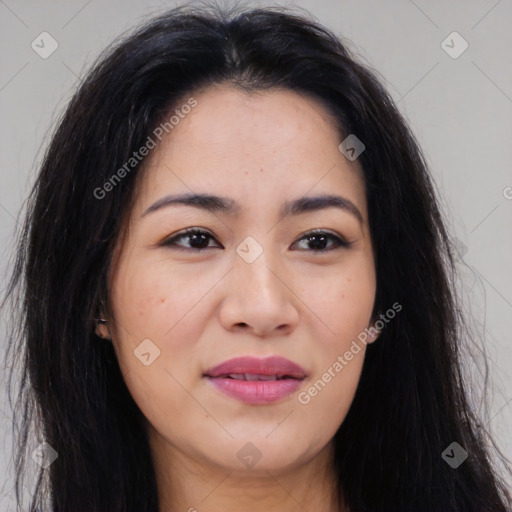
x: 257, y: 381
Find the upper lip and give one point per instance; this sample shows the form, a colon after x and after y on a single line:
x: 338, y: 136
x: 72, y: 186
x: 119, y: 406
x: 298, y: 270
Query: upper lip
x: 273, y: 365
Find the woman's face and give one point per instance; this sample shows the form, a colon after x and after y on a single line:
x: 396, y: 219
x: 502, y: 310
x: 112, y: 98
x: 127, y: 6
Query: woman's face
x: 252, y: 285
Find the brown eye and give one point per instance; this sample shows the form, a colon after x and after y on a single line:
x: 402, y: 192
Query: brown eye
x: 317, y: 241
x: 197, y: 238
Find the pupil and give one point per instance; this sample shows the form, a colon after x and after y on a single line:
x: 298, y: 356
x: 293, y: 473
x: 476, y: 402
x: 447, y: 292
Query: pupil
x: 203, y: 242
x: 320, y: 245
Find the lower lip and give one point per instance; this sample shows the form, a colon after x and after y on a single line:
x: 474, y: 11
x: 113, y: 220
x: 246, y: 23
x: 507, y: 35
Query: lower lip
x: 256, y: 392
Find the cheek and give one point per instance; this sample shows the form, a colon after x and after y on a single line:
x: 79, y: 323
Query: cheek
x: 340, y: 301
x: 326, y: 400
x: 154, y: 301
x: 342, y: 307
x: 154, y: 304
x: 169, y: 307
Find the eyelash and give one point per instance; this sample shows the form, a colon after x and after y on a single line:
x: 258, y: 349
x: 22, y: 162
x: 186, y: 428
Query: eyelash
x: 339, y: 242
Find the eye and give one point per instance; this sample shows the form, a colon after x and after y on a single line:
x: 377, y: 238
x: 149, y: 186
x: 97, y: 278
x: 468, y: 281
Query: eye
x: 318, y: 240
x: 198, y: 238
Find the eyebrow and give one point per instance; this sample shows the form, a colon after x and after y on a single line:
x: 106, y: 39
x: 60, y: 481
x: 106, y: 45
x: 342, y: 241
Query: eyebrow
x: 213, y: 204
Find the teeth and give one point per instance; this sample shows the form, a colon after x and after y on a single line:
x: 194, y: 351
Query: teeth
x: 252, y: 377
x: 249, y: 376
x: 237, y: 376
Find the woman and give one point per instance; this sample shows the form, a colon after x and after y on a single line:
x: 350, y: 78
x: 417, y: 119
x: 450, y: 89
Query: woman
x: 236, y: 287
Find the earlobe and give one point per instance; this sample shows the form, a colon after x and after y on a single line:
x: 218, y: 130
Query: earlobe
x: 373, y: 333
x: 372, y: 330
x: 102, y: 330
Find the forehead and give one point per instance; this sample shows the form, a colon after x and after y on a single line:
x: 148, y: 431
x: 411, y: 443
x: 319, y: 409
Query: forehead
x: 252, y: 146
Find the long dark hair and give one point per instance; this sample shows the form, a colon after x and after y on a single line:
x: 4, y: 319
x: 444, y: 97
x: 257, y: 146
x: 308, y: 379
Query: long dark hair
x: 412, y: 399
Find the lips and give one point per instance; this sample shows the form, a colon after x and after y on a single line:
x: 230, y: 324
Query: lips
x: 256, y: 381
x: 278, y: 367
x: 253, y: 377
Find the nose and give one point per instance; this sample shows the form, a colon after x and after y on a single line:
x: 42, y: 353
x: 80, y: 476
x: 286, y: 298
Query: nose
x: 259, y: 298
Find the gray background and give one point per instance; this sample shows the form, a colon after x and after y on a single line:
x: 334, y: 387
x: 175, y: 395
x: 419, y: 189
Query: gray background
x: 459, y: 108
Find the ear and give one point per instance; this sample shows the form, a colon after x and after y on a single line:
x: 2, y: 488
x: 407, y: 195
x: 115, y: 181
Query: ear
x: 373, y: 332
x: 102, y: 329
